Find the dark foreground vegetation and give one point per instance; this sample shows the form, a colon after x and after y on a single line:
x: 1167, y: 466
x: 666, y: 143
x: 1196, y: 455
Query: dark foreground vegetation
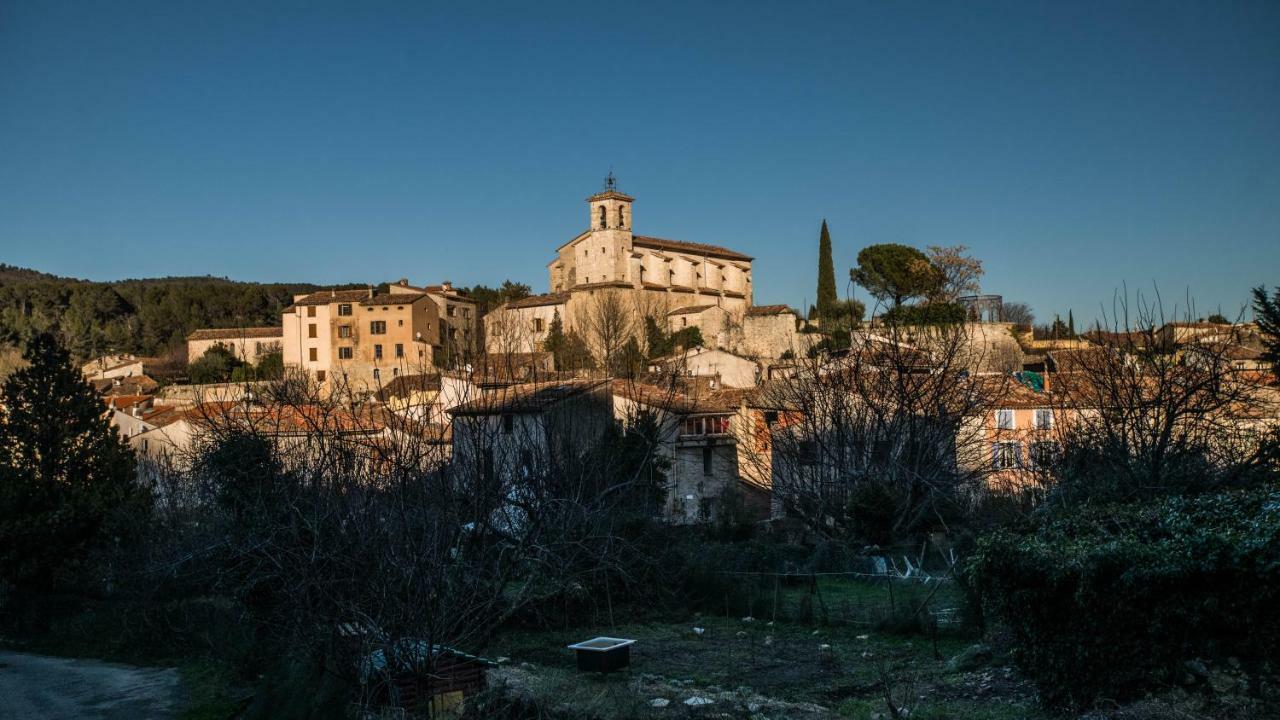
x: 1138, y: 577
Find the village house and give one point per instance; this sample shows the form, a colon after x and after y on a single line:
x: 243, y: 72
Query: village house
x: 109, y: 367
x: 516, y: 431
x: 246, y: 344
x: 725, y: 368
x: 459, y: 318
x: 356, y: 340
x: 716, y: 447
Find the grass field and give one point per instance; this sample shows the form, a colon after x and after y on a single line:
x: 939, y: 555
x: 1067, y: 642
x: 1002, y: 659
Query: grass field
x: 783, y: 668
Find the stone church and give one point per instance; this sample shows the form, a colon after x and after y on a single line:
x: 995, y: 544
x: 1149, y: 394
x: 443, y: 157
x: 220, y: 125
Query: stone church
x: 608, y: 270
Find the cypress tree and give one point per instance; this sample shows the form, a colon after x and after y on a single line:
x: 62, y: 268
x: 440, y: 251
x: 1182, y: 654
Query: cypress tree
x: 1071, y: 323
x: 827, y: 296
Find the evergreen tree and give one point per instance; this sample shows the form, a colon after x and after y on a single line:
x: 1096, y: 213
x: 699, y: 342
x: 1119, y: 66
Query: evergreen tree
x: 1267, y: 314
x: 1071, y: 323
x: 657, y: 340
x: 827, y: 295
x: 555, y: 342
x: 67, y: 479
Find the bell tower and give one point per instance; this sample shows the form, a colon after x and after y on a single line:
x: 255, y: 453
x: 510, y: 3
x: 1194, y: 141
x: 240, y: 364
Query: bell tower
x: 610, y: 208
x: 606, y: 250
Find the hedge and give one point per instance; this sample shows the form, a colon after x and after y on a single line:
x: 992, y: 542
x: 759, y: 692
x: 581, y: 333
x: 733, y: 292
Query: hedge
x: 1105, y: 603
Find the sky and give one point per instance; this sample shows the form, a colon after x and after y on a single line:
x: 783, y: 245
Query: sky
x: 1080, y: 149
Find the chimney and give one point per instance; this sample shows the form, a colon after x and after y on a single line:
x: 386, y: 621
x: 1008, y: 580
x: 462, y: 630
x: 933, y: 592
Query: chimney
x: 404, y: 282
x: 333, y: 293
x: 370, y: 291
x: 446, y: 286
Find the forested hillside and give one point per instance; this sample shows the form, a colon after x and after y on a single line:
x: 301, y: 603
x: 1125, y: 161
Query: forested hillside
x: 146, y: 317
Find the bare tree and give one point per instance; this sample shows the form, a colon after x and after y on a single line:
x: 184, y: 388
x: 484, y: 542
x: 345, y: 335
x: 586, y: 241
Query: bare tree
x: 1019, y: 314
x: 876, y: 444
x: 1152, y: 412
x: 607, y: 323
x: 960, y: 273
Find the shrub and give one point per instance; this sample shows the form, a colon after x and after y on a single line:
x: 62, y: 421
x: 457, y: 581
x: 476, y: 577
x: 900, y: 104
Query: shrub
x: 1109, y: 601
x: 926, y: 314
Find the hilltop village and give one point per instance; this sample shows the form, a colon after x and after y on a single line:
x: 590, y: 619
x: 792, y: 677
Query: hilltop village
x: 636, y: 323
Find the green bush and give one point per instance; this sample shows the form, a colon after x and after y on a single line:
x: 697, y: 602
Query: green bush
x: 1110, y: 601
x: 926, y: 314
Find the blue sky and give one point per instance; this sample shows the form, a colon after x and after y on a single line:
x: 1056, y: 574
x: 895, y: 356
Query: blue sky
x: 1073, y: 146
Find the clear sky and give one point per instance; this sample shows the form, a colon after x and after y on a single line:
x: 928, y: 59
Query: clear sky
x: 1073, y: 146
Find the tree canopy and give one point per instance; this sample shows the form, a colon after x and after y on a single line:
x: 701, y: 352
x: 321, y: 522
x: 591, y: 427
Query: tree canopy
x: 895, y: 273
x: 65, y: 473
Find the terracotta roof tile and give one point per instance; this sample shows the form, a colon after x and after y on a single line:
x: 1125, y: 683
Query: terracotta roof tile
x: 689, y: 247
x: 236, y: 333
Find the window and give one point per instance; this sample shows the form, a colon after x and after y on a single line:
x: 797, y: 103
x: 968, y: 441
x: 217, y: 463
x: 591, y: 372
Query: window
x: 311, y: 354
x: 602, y: 216
x: 377, y: 374
x: 684, y: 322
x: 1044, y: 419
x: 808, y: 452
x: 311, y: 311
x: 537, y: 324
x: 311, y: 330
x: 621, y: 220
x: 706, y: 460
x: 395, y: 372
x: 677, y: 506
x: 399, y: 350
x: 706, y: 425
x: 1044, y: 454
x: 344, y: 309
x: 1004, y: 419
x: 320, y: 375
x: 1004, y: 455
x: 451, y: 311
x: 770, y: 417
x: 378, y: 327
x: 400, y: 322
x: 344, y: 331
x: 344, y: 353
x: 704, y: 509
x: 377, y: 352
x: 508, y: 424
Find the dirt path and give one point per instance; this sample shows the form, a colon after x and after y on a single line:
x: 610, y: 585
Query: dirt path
x: 52, y: 688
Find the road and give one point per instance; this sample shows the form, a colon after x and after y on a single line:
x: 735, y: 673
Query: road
x: 52, y: 688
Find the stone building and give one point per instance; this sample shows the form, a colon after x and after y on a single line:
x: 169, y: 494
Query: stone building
x: 459, y: 317
x: 607, y: 267
x: 359, y: 340
x: 247, y: 344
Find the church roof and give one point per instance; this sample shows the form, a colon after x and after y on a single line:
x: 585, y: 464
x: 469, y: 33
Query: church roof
x: 539, y: 300
x: 688, y: 247
x: 690, y: 310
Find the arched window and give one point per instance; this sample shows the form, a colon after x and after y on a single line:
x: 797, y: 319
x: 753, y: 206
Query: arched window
x: 621, y: 221
x: 602, y: 216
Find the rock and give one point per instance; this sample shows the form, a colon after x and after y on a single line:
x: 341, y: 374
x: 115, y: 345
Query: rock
x: 742, y: 634
x: 972, y: 657
x: 754, y: 707
x: 748, y: 619
x: 768, y: 639
x: 863, y: 637
x: 699, y: 701
x: 659, y: 702
x: 1197, y: 668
